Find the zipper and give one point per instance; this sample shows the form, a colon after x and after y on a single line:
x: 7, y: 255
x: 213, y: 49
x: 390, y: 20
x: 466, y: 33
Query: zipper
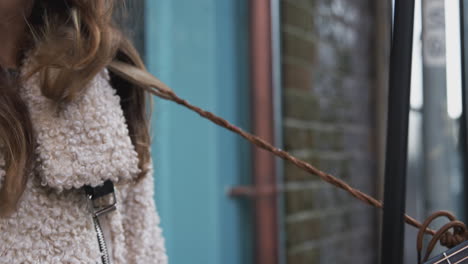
x: 102, y: 243
x: 93, y: 194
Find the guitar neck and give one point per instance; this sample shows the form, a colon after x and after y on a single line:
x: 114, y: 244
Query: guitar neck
x: 456, y: 255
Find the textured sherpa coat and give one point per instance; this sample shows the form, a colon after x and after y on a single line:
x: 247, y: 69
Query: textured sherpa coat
x: 86, y: 143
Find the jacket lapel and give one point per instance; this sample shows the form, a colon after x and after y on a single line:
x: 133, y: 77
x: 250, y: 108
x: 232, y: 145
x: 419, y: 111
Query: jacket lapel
x: 86, y: 142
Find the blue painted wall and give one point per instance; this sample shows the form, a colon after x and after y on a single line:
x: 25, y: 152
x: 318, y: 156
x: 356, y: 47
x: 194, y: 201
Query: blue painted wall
x: 200, y: 49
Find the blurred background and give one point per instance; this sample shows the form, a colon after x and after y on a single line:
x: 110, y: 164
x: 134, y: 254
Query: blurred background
x: 310, y: 76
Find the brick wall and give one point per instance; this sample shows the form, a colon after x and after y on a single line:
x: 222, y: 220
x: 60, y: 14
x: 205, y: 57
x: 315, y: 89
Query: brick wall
x: 328, y: 74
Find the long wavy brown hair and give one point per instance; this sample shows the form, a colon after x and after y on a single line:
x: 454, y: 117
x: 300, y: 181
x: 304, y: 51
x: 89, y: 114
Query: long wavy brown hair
x: 71, y: 41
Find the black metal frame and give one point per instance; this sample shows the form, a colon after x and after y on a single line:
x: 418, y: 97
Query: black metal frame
x: 464, y: 116
x: 397, y: 133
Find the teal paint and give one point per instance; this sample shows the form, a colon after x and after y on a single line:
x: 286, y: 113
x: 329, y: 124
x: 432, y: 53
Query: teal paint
x: 200, y: 49
x: 233, y: 103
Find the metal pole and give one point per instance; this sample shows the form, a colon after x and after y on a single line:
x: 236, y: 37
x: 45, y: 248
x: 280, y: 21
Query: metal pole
x: 277, y: 120
x: 397, y: 133
x: 464, y: 117
x: 266, y: 222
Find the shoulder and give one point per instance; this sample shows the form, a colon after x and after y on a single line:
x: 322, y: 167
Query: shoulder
x: 87, y: 141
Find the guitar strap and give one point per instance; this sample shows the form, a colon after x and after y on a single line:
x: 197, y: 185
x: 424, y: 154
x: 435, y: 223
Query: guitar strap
x: 142, y: 79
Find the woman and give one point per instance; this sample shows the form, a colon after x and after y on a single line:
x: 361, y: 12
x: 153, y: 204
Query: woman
x: 76, y: 181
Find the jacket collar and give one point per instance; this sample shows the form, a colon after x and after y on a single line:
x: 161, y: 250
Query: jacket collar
x: 86, y: 142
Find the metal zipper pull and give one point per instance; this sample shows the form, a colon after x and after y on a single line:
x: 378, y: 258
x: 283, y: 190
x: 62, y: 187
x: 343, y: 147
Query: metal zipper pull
x: 97, y: 208
x: 97, y: 194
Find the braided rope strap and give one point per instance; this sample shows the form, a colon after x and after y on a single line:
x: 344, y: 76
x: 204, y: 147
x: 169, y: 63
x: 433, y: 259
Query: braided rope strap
x: 151, y: 84
x: 443, y: 235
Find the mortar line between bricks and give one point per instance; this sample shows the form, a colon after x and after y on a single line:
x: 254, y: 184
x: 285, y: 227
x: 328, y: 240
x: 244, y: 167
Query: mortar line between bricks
x: 326, y: 127
x: 325, y: 154
x: 299, y: 5
x: 361, y: 76
x: 328, y: 154
x: 291, y: 91
x: 305, y: 185
x: 313, y: 244
x: 296, y: 61
x: 300, y: 33
x: 307, y: 215
x: 303, y: 34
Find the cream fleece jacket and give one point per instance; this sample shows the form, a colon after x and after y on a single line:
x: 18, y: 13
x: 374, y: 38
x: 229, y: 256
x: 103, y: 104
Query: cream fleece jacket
x: 85, y: 143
